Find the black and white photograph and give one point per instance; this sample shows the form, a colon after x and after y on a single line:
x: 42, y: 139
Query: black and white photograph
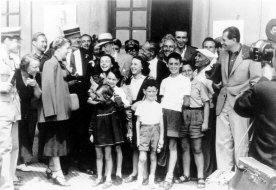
x: 138, y: 95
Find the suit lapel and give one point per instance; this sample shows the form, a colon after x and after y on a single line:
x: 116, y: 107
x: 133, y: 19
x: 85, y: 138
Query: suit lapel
x: 237, y: 63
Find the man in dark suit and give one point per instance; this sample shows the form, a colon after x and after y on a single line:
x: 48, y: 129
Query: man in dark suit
x: 187, y: 53
x: 80, y: 62
x: 158, y: 68
x: 259, y: 103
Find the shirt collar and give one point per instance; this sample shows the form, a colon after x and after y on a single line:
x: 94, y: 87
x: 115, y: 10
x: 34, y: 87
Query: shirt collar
x: 154, y: 60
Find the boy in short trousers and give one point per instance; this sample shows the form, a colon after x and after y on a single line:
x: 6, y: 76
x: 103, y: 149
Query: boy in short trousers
x: 150, y: 131
x: 175, y: 92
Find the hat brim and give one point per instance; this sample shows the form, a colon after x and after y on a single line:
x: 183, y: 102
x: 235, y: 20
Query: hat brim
x: 102, y: 43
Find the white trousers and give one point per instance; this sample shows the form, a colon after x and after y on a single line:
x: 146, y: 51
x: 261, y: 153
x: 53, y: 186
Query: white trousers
x: 230, y: 129
x: 8, y: 153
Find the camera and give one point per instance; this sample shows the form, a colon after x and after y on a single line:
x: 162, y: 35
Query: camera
x: 261, y: 51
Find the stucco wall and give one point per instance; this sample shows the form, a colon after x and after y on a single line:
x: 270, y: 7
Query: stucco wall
x: 91, y: 16
x: 255, y: 13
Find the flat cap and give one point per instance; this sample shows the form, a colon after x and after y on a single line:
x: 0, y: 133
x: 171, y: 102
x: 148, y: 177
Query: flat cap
x: 11, y: 32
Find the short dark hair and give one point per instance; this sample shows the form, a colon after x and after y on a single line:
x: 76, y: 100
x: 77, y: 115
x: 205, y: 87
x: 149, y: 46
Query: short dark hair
x: 36, y: 35
x: 154, y: 47
x: 150, y: 83
x: 209, y: 39
x: 233, y: 32
x: 117, y: 73
x: 117, y: 42
x: 145, y: 71
x: 113, y: 62
x: 175, y: 55
x: 25, y: 61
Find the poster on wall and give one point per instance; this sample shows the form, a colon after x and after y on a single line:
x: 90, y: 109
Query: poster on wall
x: 56, y: 17
x: 220, y: 25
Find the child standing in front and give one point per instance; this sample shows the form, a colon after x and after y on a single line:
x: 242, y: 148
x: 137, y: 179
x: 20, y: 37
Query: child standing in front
x: 175, y: 91
x: 106, y: 132
x: 150, y: 131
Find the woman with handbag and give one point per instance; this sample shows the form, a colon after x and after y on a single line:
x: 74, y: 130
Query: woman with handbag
x: 56, y: 109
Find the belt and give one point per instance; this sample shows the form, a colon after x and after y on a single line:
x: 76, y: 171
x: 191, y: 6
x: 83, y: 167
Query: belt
x: 147, y: 125
x: 199, y: 108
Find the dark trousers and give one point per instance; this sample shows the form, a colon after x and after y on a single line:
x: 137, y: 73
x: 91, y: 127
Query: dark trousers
x: 26, y: 132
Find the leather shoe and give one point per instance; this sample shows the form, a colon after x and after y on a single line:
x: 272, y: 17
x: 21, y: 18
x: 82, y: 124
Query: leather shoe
x: 130, y: 179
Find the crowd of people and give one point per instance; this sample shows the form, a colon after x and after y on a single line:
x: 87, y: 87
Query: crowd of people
x: 160, y: 106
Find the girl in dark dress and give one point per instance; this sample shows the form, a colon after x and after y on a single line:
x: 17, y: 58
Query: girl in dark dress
x: 106, y: 131
x: 28, y: 81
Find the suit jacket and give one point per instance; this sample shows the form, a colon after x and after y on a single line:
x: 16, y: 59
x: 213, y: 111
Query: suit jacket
x: 259, y: 102
x: 162, y: 72
x: 189, y: 56
x: 244, y: 73
x: 124, y: 61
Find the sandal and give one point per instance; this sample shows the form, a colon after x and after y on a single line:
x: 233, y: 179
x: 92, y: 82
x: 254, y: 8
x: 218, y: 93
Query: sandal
x: 200, y: 183
x: 97, y: 182
x: 107, y: 184
x: 184, y: 179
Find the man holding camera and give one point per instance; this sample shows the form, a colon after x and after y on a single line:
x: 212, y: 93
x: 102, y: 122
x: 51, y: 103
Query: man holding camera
x: 259, y: 103
x: 237, y: 75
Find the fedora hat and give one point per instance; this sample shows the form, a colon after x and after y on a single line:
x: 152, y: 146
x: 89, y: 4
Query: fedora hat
x: 104, y: 38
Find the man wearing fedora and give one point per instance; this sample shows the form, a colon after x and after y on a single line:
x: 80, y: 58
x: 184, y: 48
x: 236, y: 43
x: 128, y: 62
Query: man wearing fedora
x: 9, y: 107
x: 105, y: 42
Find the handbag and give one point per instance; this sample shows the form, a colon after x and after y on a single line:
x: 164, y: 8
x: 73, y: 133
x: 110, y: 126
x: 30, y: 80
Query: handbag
x: 75, y: 104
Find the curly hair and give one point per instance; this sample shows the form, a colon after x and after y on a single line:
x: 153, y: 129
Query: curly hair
x: 166, y: 38
x: 59, y: 42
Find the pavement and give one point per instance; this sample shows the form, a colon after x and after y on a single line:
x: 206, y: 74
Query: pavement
x: 35, y: 179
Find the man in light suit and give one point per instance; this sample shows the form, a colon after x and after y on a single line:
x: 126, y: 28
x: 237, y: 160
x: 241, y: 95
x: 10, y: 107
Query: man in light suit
x: 237, y: 75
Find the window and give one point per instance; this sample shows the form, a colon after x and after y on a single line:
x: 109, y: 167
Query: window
x: 10, y: 13
x: 131, y: 19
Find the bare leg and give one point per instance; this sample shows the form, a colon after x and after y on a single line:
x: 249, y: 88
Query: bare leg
x: 119, y: 161
x: 108, y: 162
x: 141, y: 165
x: 99, y: 161
x: 172, y: 160
x: 197, y: 151
x: 153, y: 164
x: 186, y: 157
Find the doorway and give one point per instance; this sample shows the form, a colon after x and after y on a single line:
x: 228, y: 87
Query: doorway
x: 167, y: 16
